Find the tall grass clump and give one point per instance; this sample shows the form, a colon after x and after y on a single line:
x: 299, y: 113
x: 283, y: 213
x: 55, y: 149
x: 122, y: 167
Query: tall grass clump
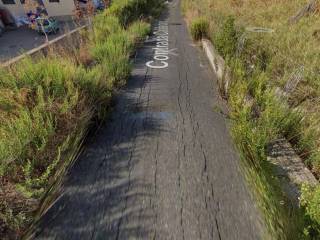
x: 114, y: 51
x: 199, y: 29
x: 139, y: 30
x: 103, y: 26
x: 114, y: 54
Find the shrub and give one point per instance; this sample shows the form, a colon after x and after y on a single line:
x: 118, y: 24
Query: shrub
x: 103, y: 26
x: 139, y: 30
x: 199, y: 28
x: 116, y: 45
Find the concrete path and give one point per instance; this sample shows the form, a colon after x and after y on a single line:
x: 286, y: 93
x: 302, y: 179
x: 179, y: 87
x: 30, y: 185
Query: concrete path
x: 164, y: 166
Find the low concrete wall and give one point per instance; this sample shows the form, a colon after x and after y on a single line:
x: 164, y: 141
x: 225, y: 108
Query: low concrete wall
x: 219, y: 67
x: 43, y: 49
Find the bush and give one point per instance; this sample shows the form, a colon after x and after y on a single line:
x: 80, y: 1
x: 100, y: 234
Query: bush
x: 114, y: 51
x: 199, y: 28
x: 103, y: 26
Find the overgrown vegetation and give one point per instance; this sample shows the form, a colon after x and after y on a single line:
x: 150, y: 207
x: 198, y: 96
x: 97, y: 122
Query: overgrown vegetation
x: 48, y: 103
x: 257, y: 122
x: 199, y: 28
x: 310, y: 200
x: 266, y: 53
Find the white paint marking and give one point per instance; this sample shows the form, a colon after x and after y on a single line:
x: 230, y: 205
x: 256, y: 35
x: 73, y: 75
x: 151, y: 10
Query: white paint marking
x: 161, y: 51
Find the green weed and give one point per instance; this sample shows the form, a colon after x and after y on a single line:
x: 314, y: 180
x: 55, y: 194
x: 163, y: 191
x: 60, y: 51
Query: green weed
x: 310, y: 201
x: 199, y: 29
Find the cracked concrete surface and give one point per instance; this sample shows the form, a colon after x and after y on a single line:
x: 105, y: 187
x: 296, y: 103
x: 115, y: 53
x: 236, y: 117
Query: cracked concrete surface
x: 163, y: 166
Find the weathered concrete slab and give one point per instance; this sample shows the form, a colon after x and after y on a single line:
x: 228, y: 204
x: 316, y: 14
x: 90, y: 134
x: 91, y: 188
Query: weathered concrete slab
x: 289, y: 166
x: 218, y: 66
